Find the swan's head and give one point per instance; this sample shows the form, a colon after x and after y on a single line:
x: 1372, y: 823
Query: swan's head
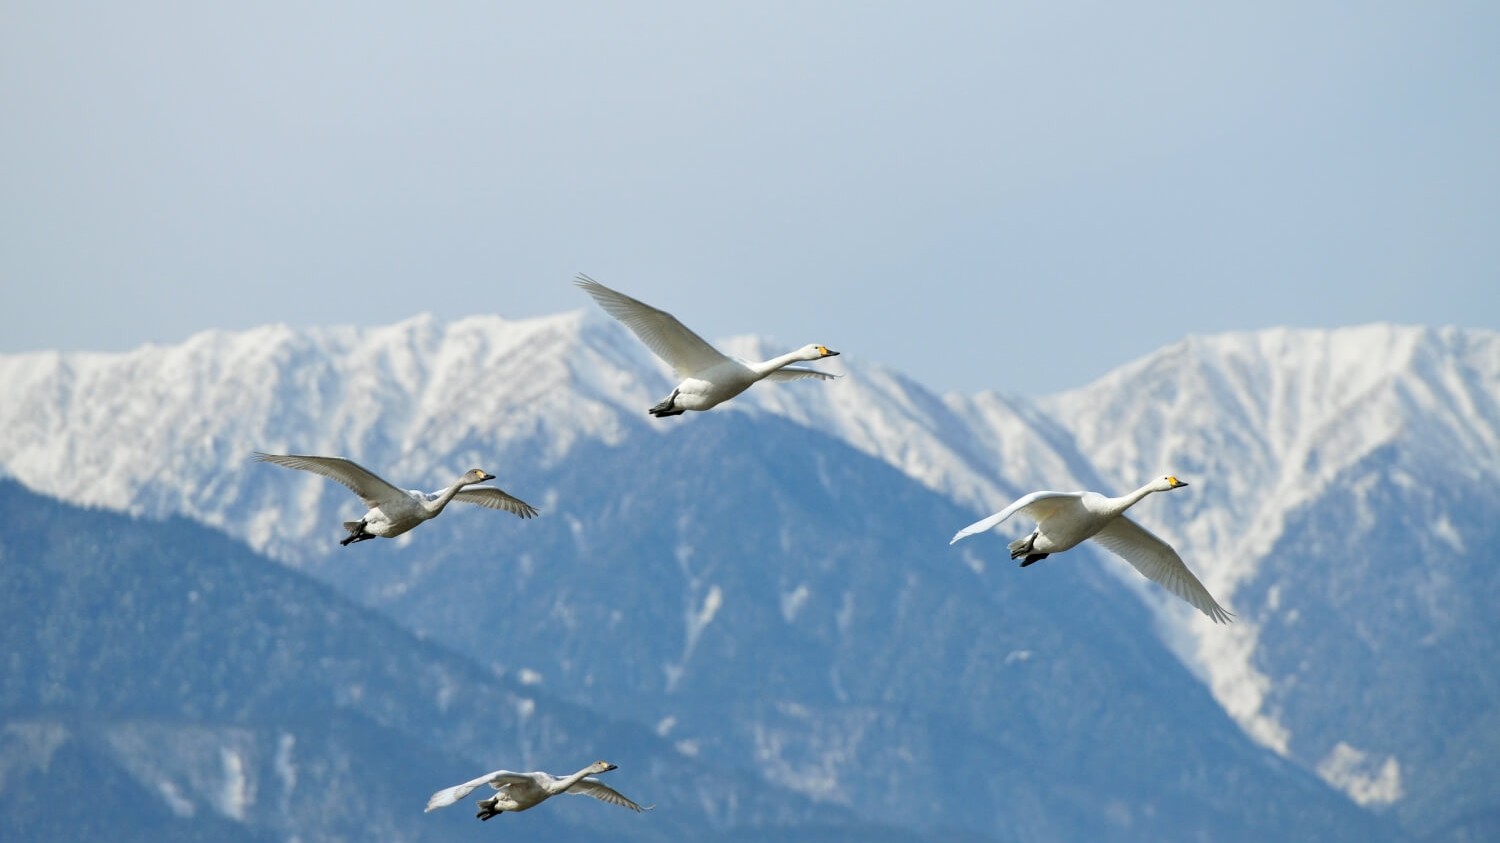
x: 601, y: 767
x: 1167, y: 483
x: 817, y: 352
x: 475, y: 475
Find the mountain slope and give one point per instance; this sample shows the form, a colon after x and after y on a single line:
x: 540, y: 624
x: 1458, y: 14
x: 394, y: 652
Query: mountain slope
x: 161, y: 682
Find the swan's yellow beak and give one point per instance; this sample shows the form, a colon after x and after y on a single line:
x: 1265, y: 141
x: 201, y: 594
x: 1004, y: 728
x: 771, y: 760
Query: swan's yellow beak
x: 1174, y: 482
x: 826, y: 351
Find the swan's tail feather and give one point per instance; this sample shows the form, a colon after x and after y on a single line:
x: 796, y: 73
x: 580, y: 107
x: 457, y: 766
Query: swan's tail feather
x: 353, y: 526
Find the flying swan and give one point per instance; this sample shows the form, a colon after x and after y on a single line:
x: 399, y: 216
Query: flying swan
x: 519, y: 791
x: 394, y: 511
x: 1064, y: 519
x: 709, y: 377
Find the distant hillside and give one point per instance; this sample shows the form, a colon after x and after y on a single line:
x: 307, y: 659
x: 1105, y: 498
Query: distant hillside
x: 161, y: 682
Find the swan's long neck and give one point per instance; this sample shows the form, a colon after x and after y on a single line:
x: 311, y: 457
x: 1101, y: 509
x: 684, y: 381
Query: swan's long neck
x: 769, y: 366
x: 1125, y: 502
x: 566, y: 782
x: 433, y: 507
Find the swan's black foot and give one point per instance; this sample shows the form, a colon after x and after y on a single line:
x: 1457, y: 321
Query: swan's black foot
x: 356, y: 537
x: 1033, y: 557
x: 666, y: 408
x: 486, y: 813
x: 1022, y: 547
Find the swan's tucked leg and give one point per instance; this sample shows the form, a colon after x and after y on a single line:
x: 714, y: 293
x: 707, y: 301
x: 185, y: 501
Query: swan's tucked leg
x: 487, y: 809
x: 665, y: 408
x: 356, y: 533
x: 1022, y: 547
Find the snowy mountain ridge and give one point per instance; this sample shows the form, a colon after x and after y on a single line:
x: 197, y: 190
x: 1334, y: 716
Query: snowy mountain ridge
x: 1265, y: 426
x: 416, y: 400
x: 1264, y: 423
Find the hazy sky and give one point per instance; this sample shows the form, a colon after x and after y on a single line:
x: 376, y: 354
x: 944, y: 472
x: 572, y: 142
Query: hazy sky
x: 983, y: 195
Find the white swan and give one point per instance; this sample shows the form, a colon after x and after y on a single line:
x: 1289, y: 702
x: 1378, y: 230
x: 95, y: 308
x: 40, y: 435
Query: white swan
x: 709, y: 377
x: 394, y: 511
x: 1063, y: 519
x: 519, y: 791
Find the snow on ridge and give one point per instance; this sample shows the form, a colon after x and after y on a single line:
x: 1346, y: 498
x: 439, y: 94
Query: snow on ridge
x: 163, y: 430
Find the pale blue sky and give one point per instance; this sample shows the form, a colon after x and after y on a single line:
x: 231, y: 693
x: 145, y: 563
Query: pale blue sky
x: 983, y: 195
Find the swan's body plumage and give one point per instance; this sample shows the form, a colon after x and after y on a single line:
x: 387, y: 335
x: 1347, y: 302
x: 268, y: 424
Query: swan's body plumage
x: 394, y: 511
x: 520, y: 791
x: 1066, y: 519
x: 709, y: 377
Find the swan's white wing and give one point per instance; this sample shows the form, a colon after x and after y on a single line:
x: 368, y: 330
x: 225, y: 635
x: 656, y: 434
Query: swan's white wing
x: 1158, y: 561
x: 372, y: 490
x: 493, y: 498
x: 686, y: 352
x: 1037, y: 505
x: 604, y: 793
x: 448, y: 795
x: 797, y: 373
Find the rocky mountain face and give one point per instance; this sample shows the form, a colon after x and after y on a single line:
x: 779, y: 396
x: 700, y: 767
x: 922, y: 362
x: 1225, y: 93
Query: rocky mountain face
x: 767, y: 588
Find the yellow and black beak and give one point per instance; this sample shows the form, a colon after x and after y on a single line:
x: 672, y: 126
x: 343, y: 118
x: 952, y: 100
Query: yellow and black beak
x: 827, y: 352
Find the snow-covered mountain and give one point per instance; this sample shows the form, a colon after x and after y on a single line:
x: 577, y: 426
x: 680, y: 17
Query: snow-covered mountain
x: 1303, y: 448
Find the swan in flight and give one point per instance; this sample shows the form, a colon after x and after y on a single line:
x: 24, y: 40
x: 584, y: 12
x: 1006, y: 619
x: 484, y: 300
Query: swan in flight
x: 1063, y: 519
x: 394, y: 511
x: 709, y: 377
x: 519, y: 791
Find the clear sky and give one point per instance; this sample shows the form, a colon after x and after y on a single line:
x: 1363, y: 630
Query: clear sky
x: 983, y: 195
